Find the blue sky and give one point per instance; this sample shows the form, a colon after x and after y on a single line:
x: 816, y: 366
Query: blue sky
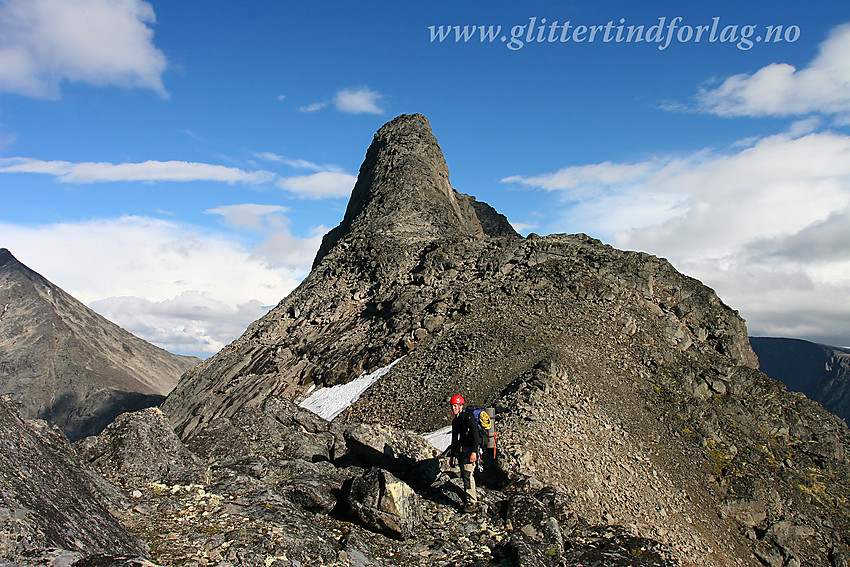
x: 174, y: 164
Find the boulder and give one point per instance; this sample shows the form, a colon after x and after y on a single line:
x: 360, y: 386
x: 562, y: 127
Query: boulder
x: 140, y: 448
x: 383, y: 503
x: 314, y: 487
x: 405, y: 453
x: 529, y: 516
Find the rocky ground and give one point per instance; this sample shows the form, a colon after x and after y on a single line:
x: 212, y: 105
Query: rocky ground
x: 251, y: 503
x: 255, y: 506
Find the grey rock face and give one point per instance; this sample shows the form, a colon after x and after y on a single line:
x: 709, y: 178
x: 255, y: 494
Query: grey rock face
x: 403, y: 191
x: 48, y: 499
x: 64, y: 363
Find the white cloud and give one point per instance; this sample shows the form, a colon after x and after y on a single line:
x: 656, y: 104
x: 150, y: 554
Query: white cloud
x: 584, y: 176
x: 184, y: 288
x: 99, y: 42
x: 191, y: 322
x: 91, y: 172
x: 297, y: 163
x: 253, y: 217
x: 361, y: 100
x: 776, y: 187
x: 763, y: 223
x: 522, y: 227
x: 322, y: 185
x: 315, y: 107
x: 780, y: 89
x: 281, y: 248
x: 602, y: 198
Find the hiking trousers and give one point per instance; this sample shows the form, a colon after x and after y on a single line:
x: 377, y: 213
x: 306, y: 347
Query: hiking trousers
x: 467, y: 473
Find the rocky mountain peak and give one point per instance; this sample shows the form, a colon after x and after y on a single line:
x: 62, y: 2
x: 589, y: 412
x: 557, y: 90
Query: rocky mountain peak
x: 6, y: 257
x: 9, y: 264
x: 403, y: 191
x: 625, y: 386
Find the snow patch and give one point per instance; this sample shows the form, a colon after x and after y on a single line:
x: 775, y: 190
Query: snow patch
x: 330, y: 402
x: 441, y: 439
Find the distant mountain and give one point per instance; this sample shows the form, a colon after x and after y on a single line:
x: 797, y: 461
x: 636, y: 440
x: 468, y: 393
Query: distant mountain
x: 62, y: 362
x: 821, y: 372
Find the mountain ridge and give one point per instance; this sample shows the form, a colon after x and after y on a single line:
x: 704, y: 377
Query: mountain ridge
x: 626, y: 386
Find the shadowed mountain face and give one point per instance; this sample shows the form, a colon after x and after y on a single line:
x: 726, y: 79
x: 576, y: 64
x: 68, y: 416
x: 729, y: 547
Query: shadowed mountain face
x: 62, y: 362
x: 821, y: 372
x: 622, y: 382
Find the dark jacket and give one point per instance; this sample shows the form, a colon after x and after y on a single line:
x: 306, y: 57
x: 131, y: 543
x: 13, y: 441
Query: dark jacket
x: 465, y: 436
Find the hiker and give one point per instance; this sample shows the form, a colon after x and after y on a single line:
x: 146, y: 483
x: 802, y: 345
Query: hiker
x: 463, y: 451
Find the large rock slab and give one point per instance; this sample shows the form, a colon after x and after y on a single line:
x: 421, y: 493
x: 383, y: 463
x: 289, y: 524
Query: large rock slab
x: 385, y: 504
x: 47, y: 497
x: 140, y: 448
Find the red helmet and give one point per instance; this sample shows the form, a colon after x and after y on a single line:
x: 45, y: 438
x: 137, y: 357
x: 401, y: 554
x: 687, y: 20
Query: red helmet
x: 457, y: 399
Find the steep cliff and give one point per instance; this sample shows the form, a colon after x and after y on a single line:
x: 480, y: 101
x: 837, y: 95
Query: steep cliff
x: 821, y: 372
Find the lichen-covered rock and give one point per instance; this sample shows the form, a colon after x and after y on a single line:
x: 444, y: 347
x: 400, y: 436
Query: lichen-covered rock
x: 384, y: 503
x: 48, y: 499
x: 140, y: 448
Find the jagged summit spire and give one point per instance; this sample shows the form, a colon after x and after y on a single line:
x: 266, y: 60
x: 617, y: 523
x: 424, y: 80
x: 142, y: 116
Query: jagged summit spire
x: 403, y: 190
